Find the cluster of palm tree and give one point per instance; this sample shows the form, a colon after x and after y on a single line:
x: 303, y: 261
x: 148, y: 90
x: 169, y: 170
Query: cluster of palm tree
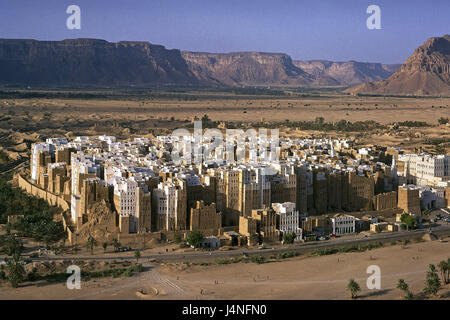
x: 92, y: 242
x: 432, y: 281
x: 16, y: 271
x: 11, y: 246
x: 444, y: 268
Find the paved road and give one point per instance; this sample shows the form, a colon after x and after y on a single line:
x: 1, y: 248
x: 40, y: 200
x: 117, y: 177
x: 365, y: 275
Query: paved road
x: 300, y: 248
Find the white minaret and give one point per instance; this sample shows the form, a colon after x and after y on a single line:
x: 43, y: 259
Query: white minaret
x: 394, y: 168
x: 332, y: 147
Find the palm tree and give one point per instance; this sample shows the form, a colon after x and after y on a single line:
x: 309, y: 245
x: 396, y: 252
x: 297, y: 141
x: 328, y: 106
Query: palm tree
x: 13, y: 246
x: 448, y: 270
x: 409, y: 295
x: 91, y: 243
x: 116, y: 244
x: 403, y: 286
x: 137, y: 255
x: 16, y: 271
x: 443, y: 268
x: 354, y: 288
x: 432, y: 281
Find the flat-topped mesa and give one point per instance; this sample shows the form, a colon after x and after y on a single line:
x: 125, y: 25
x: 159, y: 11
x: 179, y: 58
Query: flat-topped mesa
x: 99, y: 63
x: 90, y: 62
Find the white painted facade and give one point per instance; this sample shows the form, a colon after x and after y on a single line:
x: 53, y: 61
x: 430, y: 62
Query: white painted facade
x: 343, y: 224
x: 126, y: 191
x: 289, y: 218
x: 166, y: 200
x: 35, y: 149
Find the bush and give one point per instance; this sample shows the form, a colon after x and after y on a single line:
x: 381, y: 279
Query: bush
x: 177, y: 239
x: 136, y: 268
x: 326, y: 251
x: 194, y: 238
x: 289, y: 238
x: 223, y: 261
x: 408, y: 220
x: 443, y: 120
x: 257, y: 259
x: 286, y: 255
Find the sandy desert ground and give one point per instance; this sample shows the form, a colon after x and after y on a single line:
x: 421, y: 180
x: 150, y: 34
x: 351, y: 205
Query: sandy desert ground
x: 331, y: 107
x: 318, y: 277
x: 149, y: 117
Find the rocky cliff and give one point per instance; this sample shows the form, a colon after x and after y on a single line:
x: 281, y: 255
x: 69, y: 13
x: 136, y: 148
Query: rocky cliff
x: 346, y: 73
x: 247, y: 68
x: 90, y: 62
x: 425, y: 72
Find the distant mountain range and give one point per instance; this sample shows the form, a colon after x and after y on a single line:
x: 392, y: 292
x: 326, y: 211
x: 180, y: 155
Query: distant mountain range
x: 425, y: 72
x: 92, y: 62
x: 346, y: 73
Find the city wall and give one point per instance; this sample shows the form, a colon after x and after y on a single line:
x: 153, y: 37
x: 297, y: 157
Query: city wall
x: 34, y: 190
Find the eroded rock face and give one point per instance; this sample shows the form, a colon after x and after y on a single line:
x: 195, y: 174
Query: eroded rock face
x: 346, y: 73
x: 90, y: 62
x: 256, y: 68
x: 101, y: 223
x: 425, y: 72
x: 246, y: 68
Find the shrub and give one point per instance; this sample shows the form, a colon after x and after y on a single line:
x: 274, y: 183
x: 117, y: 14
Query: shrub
x: 257, y: 259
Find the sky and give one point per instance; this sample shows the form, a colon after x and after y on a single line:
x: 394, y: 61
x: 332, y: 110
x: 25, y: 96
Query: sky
x: 323, y: 29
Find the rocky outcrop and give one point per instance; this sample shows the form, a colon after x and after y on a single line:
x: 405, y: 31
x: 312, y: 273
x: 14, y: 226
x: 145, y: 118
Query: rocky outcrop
x: 346, y: 73
x: 100, y: 224
x: 246, y: 68
x: 87, y: 62
x: 98, y: 63
x: 425, y: 72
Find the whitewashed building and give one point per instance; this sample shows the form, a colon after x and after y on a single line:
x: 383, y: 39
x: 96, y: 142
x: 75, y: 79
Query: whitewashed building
x: 288, y: 218
x: 343, y: 224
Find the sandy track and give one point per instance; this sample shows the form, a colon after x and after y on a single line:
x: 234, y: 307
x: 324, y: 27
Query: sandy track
x: 323, y: 277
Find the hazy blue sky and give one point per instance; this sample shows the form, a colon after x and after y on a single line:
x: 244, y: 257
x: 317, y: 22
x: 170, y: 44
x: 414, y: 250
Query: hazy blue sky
x: 334, y: 30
